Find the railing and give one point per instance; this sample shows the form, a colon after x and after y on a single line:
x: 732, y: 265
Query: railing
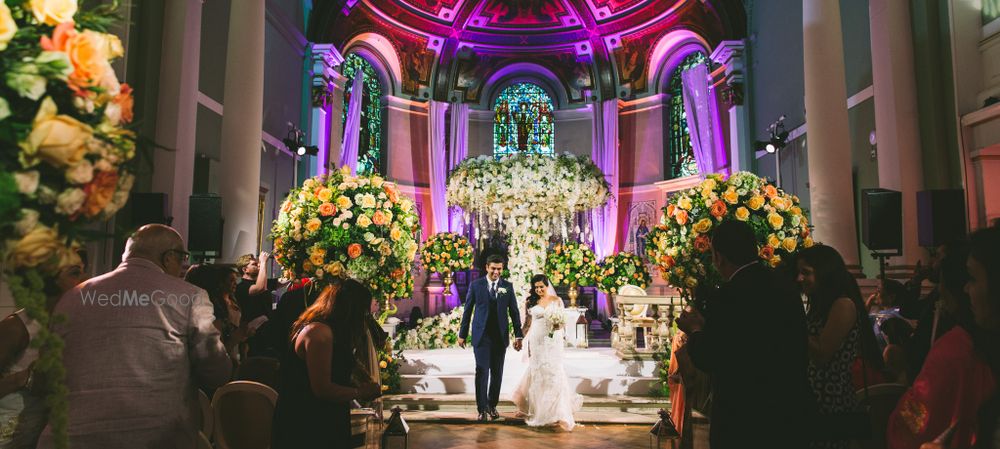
x: 643, y: 326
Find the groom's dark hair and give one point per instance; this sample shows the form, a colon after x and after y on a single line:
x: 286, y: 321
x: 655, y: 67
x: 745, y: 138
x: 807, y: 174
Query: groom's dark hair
x: 735, y: 240
x: 494, y: 258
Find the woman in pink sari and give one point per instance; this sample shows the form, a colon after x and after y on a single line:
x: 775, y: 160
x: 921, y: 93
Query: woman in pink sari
x: 943, y: 405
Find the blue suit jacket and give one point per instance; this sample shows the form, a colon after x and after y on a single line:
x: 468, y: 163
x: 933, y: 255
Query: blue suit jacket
x: 478, y: 302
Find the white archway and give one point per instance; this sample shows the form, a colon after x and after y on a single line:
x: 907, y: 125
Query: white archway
x: 670, y: 51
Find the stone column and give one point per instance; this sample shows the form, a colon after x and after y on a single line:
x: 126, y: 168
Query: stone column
x: 336, y: 117
x: 177, y: 108
x: 242, y: 122
x: 900, y: 165
x: 730, y: 54
x: 831, y: 196
x: 324, y: 57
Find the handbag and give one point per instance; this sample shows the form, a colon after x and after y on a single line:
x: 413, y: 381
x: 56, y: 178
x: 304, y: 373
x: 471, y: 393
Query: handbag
x: 851, y: 425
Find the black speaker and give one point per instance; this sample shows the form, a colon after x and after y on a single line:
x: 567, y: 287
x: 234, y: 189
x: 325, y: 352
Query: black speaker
x: 940, y: 216
x: 148, y: 208
x: 882, y: 219
x: 205, y: 224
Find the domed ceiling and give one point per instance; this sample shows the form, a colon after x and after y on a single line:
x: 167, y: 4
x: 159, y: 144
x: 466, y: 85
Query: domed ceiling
x: 451, y: 48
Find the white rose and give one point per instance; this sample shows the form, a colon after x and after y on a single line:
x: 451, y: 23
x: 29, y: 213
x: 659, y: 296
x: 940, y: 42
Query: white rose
x: 69, y: 201
x: 27, y: 182
x: 29, y: 218
x: 103, y: 165
x: 113, y: 112
x: 81, y: 173
x: 46, y: 195
x: 117, y: 202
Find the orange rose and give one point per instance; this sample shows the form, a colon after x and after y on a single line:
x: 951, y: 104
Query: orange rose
x: 718, y: 209
x: 681, y: 217
x: 766, y: 253
x: 379, y: 218
x: 125, y: 102
x: 286, y: 207
x: 354, y: 250
x: 327, y: 209
x: 391, y: 193
x: 99, y: 192
x: 670, y: 210
x: 770, y: 191
x: 397, y: 273
x: 666, y: 262
x: 89, y: 52
x: 702, y: 243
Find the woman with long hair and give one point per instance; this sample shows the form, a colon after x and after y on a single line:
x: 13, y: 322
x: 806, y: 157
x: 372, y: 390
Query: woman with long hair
x: 544, y: 396
x: 329, y: 343
x: 955, y: 392
x: 839, y: 331
x: 220, y: 283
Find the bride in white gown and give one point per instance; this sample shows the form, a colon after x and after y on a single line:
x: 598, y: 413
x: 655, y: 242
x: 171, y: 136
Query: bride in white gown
x: 544, y: 396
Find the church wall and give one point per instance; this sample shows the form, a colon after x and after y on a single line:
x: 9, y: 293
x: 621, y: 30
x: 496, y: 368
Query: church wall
x: 406, y: 142
x: 481, y: 133
x: 574, y: 131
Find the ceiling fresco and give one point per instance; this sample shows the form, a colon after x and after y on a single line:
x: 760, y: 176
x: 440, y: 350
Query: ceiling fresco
x: 453, y: 48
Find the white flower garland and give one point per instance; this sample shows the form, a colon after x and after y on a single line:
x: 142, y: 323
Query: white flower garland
x: 529, y: 197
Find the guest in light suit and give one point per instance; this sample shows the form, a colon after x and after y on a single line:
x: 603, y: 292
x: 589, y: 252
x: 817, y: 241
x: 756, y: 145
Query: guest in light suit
x: 139, y: 343
x: 489, y: 302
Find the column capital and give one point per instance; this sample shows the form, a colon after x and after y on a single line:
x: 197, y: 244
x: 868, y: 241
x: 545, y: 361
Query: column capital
x: 326, y: 60
x: 730, y: 55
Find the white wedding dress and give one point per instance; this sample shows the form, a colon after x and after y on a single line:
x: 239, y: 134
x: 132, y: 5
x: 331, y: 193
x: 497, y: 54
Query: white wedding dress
x: 544, y: 395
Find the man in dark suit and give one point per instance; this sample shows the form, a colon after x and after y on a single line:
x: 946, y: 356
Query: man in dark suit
x: 752, y: 342
x: 488, y: 304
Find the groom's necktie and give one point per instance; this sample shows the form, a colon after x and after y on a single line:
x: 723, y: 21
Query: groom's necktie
x: 493, y: 290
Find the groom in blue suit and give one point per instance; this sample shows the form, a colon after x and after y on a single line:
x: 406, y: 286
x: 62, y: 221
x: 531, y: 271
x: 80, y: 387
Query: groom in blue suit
x: 493, y: 301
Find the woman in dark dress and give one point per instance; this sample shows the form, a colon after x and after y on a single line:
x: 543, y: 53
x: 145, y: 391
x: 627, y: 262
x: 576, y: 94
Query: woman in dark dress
x: 328, y: 342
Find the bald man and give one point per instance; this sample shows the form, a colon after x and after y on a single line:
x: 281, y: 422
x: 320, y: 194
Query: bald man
x: 139, y: 342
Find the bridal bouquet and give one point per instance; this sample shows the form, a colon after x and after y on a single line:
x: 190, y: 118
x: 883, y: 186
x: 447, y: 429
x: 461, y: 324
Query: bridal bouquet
x: 554, y: 316
x: 681, y: 247
x: 340, y: 225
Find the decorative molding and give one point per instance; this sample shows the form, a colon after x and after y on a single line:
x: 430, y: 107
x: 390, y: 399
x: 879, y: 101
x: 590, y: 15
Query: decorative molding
x: 209, y: 103
x: 643, y: 104
x: 568, y: 115
x: 861, y: 96
x: 677, y: 184
x: 325, y: 62
x: 983, y: 115
x: 405, y: 105
x: 481, y: 115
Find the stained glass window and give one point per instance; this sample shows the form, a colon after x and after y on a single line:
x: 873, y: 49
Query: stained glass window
x: 522, y: 121
x: 370, y: 140
x: 681, y: 161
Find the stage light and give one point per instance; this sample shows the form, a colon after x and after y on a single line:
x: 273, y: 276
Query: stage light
x: 301, y: 151
x: 771, y: 148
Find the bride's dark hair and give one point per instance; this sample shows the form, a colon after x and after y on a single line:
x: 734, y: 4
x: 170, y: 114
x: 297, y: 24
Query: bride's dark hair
x: 532, y: 297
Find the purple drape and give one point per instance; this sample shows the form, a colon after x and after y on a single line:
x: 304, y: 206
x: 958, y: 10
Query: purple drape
x: 605, y: 155
x: 439, y: 165
x: 459, y: 150
x: 352, y: 128
x: 703, y: 120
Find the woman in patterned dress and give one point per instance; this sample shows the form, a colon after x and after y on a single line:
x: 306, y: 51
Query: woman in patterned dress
x: 837, y: 325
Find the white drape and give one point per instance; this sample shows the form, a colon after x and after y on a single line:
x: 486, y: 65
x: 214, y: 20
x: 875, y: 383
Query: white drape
x: 605, y: 155
x: 439, y: 165
x: 702, y: 119
x: 352, y: 128
x: 459, y: 150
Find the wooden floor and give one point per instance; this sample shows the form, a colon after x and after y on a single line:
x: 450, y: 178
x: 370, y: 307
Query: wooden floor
x: 425, y: 435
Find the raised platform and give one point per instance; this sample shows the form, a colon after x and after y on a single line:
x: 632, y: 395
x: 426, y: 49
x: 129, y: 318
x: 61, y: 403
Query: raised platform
x: 461, y: 408
x: 591, y: 372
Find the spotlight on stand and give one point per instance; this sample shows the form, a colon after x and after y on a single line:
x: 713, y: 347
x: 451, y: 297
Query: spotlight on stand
x: 294, y: 141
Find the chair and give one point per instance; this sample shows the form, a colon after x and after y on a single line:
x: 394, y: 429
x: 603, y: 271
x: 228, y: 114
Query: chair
x: 881, y: 400
x: 243, y: 415
x: 260, y: 369
x: 207, y: 415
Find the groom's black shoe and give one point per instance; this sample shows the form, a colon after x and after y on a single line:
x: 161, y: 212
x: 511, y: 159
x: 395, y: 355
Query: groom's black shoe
x: 483, y: 417
x: 494, y: 415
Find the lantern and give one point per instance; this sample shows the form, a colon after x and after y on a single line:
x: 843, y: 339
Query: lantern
x: 581, y: 331
x: 663, y: 431
x: 396, y: 431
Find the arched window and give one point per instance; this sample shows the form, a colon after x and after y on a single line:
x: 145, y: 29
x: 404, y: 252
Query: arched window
x: 370, y: 141
x: 522, y: 121
x: 681, y: 160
